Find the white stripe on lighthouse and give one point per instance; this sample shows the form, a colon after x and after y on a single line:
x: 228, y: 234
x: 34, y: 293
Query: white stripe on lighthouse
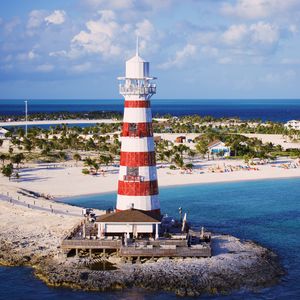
x: 138, y: 202
x: 147, y: 173
x: 137, y: 115
x: 132, y: 144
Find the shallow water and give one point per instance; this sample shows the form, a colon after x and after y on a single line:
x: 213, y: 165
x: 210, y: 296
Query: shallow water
x: 267, y: 212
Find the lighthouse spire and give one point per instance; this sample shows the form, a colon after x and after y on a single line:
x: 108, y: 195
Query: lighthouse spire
x: 137, y: 46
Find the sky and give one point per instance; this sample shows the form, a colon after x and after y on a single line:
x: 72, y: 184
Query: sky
x: 202, y: 49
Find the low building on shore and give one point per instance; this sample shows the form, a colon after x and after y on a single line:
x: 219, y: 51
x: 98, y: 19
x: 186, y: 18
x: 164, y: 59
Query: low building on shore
x: 3, y: 131
x: 180, y: 139
x: 292, y: 124
x: 218, y: 148
x: 132, y: 223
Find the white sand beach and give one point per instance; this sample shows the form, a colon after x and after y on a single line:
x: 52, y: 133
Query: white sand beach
x: 63, y: 180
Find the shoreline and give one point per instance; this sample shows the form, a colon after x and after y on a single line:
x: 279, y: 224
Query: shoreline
x: 61, y: 199
x: 67, y: 180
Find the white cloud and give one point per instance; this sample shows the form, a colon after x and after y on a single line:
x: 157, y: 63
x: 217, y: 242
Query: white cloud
x: 148, y: 36
x: 111, y: 4
x: 235, y: 34
x: 100, y: 36
x: 45, y: 68
x: 210, y: 51
x: 11, y: 25
x: 132, y: 5
x: 257, y: 38
x: 264, y: 33
x: 57, y: 17
x: 81, y: 67
x: 225, y: 60
x: 26, y: 56
x: 36, y: 19
x: 255, y: 9
x: 181, y: 57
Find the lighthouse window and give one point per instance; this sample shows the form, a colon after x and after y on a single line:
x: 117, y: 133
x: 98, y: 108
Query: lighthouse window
x: 132, y: 127
x: 133, y: 171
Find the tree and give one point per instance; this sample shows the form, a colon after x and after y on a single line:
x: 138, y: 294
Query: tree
x: 76, y: 157
x: 3, y: 157
x: 202, y: 147
x: 8, y: 170
x: 178, y: 161
x: 17, y: 159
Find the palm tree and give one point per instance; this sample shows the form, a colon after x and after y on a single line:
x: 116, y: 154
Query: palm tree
x: 178, y: 161
x: 8, y: 170
x: 202, y: 147
x: 76, y: 157
x: 3, y: 157
x: 17, y: 159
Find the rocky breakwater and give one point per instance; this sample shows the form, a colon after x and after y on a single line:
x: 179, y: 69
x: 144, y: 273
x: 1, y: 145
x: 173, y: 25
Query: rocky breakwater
x: 235, y: 265
x: 30, y: 237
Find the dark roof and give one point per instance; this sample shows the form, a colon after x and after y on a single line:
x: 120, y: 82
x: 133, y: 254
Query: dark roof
x: 130, y: 215
x: 213, y: 143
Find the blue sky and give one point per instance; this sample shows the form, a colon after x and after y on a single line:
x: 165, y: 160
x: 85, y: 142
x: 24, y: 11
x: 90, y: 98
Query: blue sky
x: 199, y: 49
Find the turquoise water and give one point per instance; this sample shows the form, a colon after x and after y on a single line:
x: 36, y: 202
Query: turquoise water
x: 267, y: 212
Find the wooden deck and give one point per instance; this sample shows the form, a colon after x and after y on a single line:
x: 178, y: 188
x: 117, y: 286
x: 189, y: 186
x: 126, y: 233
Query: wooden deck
x: 90, y: 244
x: 162, y: 247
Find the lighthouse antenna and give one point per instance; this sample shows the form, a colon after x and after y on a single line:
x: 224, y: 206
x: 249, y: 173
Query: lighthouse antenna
x: 137, y: 46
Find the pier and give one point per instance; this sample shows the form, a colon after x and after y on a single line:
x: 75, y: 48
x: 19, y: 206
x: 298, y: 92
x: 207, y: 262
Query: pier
x: 191, y: 244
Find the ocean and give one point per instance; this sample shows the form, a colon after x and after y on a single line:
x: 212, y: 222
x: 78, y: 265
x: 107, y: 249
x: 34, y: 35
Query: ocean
x: 266, y: 211
x: 273, y: 110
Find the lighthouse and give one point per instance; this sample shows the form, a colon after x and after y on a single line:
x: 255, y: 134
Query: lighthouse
x: 137, y: 184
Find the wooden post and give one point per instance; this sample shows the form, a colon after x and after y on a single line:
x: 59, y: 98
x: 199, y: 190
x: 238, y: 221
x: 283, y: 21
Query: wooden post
x: 83, y: 230
x: 156, y: 231
x: 90, y: 250
x: 76, y: 252
x: 99, y: 231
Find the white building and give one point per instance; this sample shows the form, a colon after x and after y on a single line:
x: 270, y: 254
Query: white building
x: 293, y: 124
x: 218, y: 148
x: 131, y: 222
x: 2, y: 133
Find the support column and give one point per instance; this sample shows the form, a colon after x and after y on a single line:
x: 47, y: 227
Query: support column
x: 90, y: 252
x: 99, y: 231
x: 83, y: 230
x: 156, y: 231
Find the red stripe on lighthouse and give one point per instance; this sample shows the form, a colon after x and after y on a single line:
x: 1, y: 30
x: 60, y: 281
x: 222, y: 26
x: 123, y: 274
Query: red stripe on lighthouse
x: 142, y: 130
x: 137, y: 104
x: 137, y: 159
x: 143, y: 188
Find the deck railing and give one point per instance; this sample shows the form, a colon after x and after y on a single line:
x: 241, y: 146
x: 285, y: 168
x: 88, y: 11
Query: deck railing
x: 138, y: 90
x: 101, y: 244
x: 169, y: 252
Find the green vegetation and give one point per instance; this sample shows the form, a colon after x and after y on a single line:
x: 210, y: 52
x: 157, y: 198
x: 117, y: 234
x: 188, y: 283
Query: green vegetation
x: 99, y: 145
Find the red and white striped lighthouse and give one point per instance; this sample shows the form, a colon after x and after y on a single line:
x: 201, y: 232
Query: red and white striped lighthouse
x: 137, y: 186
